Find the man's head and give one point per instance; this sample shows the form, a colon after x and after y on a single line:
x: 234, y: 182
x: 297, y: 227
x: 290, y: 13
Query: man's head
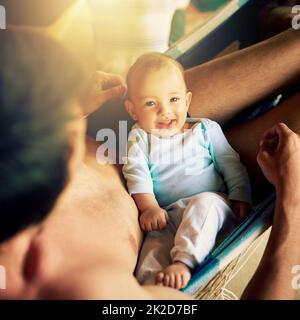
x: 39, y: 82
x: 157, y: 94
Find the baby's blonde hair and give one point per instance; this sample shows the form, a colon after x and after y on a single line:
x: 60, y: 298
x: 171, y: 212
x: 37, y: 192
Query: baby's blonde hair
x: 151, y: 60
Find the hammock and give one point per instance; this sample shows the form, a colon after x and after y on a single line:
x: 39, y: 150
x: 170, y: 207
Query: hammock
x: 230, y: 29
x: 241, y: 238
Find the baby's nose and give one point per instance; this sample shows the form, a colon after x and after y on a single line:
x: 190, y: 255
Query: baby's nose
x: 165, y: 116
x: 165, y: 109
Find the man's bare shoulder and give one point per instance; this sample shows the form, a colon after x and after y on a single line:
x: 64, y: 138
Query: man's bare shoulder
x: 97, y: 283
x: 113, y: 171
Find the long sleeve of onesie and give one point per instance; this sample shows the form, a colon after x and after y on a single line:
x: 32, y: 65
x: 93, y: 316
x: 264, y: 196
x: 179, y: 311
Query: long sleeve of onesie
x: 136, y: 168
x: 228, y: 163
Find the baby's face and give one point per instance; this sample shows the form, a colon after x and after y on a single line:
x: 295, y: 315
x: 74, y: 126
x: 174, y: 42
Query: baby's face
x: 158, y: 100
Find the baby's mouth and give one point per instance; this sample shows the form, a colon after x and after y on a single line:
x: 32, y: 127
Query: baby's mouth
x: 165, y: 124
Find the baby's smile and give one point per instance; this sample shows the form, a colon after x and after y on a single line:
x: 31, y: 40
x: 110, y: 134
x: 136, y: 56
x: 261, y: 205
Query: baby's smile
x: 166, y: 124
x: 158, y: 98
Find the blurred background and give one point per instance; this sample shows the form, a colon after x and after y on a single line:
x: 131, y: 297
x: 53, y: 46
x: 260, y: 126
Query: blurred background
x: 111, y: 34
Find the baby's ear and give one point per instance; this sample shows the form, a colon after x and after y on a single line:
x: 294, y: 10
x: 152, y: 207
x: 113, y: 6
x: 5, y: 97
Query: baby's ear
x: 130, y: 109
x: 188, y: 98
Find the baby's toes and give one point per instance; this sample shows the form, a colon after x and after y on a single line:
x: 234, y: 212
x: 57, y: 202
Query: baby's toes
x: 172, y: 282
x: 159, y: 279
x: 166, y: 280
x: 178, y: 281
x: 185, y: 278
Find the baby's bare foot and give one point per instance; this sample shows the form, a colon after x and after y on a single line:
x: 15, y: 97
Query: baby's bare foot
x: 176, y: 276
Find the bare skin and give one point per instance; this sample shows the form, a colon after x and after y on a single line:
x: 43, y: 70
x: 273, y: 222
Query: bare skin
x: 278, y: 157
x: 73, y: 242
x: 176, y: 275
x: 240, y: 87
x: 87, y: 248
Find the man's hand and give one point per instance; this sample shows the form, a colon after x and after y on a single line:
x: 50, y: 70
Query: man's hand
x: 241, y: 209
x: 153, y: 219
x: 279, y: 158
x: 102, y: 88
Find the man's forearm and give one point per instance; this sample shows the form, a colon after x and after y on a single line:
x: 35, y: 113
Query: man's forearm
x: 273, y: 278
x: 223, y: 87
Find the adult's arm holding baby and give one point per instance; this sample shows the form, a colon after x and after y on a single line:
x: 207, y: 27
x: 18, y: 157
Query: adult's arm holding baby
x: 279, y: 54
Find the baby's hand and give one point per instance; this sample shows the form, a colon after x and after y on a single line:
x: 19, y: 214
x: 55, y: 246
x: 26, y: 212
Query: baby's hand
x: 241, y: 209
x: 153, y: 219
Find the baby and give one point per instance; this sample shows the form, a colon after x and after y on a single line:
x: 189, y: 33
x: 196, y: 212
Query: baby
x: 186, y: 180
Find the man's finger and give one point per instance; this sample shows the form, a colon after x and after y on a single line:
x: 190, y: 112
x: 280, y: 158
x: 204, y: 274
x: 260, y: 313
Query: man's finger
x: 113, y: 81
x: 263, y: 157
x: 263, y: 154
x: 279, y: 129
x: 280, y: 132
x: 111, y: 94
x: 270, y: 145
x: 108, y: 79
x: 284, y: 128
x: 273, y: 138
x: 284, y: 132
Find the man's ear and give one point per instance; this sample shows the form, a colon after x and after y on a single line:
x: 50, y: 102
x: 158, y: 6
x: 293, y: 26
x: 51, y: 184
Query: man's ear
x: 130, y: 109
x: 188, y: 98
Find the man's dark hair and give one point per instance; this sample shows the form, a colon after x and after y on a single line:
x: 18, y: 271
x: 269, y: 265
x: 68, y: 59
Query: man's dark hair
x: 38, y: 80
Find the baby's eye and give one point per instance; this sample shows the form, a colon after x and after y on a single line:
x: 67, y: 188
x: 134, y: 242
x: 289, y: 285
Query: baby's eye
x: 174, y: 99
x: 150, y: 104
